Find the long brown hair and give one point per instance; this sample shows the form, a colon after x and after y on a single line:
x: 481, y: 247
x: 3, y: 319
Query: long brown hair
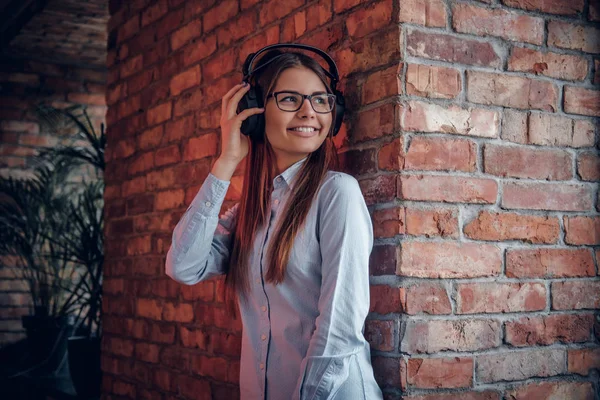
x: 254, y: 210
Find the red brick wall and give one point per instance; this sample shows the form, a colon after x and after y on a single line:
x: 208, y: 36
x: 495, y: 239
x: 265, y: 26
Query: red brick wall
x: 472, y: 131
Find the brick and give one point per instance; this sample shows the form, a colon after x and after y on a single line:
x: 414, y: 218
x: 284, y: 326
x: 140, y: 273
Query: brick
x: 427, y: 298
x: 453, y: 49
x: 382, y: 84
x: 318, y: 14
x: 191, y: 387
x: 200, y: 147
x: 391, y: 155
x: 273, y: 10
x: 511, y: 91
x: 386, y: 369
x: 358, y: 162
x: 582, y: 101
x: 220, y: 65
x: 182, y: 312
x: 150, y: 138
x: 242, y: 26
x: 588, y: 166
x: 483, y: 395
x: 383, y: 260
x: 187, y: 102
x: 432, y: 336
x: 367, y: 20
x: 432, y: 222
x: 510, y: 226
x: 168, y: 24
x: 147, y: 352
x: 552, y: 390
x: 575, y: 295
x: 440, y: 154
x: 448, y: 260
x: 118, y: 346
x: 270, y: 36
x: 493, y: 297
x: 167, y: 155
x: 449, y: 189
x: 594, y: 11
x: 581, y: 361
x: 380, y: 334
x: 203, y: 291
x: 294, y: 27
x: 185, y: 80
x: 19, y: 126
x: 433, y: 82
x: 341, y: 5
x: 154, y: 12
x: 574, y: 36
x: 380, y: 189
x: 497, y: 22
x: 515, y: 126
x: 554, y: 130
x: 386, y: 299
x: 186, y: 33
x: 132, y: 66
x: 554, y: 65
x: 548, y: 329
x: 200, y: 49
x: 546, y: 196
x: 431, y: 13
x: 520, y: 365
x: 426, y: 117
x: 366, y: 54
x: 582, y: 230
x: 141, y: 163
x: 133, y: 186
x: 139, y: 245
x: 159, y: 114
x: 548, y: 6
x: 124, y: 148
x: 434, y: 373
x: 169, y: 199
x: 531, y: 163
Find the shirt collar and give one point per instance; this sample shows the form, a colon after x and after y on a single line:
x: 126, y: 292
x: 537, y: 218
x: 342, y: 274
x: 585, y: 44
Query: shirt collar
x: 289, y: 174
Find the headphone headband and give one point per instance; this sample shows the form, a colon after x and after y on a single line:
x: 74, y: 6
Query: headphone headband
x: 332, y: 73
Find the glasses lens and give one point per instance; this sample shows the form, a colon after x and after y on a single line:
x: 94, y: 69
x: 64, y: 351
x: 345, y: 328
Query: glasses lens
x: 323, y: 103
x: 289, y: 101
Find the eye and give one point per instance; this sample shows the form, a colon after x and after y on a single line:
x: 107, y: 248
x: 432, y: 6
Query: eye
x: 321, y: 99
x: 289, y: 99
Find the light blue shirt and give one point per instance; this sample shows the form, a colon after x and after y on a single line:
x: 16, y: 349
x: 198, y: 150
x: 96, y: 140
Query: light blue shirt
x: 301, y: 339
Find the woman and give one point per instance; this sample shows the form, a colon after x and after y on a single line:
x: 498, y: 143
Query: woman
x: 295, y: 249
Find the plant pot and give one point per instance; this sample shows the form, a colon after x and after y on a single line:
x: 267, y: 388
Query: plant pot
x: 84, y: 365
x: 46, y: 342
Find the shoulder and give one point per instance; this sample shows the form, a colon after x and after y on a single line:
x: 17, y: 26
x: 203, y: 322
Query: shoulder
x: 337, y: 184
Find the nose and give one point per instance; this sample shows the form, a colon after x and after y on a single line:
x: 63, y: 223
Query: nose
x: 306, y: 110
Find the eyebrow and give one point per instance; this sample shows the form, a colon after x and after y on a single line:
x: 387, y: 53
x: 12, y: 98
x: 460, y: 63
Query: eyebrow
x: 295, y: 91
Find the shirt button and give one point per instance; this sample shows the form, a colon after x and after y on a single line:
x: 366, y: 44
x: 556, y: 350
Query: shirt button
x: 208, y: 204
x: 279, y: 179
x: 262, y: 366
x: 263, y: 337
x: 276, y: 201
x: 257, y: 280
x: 263, y: 308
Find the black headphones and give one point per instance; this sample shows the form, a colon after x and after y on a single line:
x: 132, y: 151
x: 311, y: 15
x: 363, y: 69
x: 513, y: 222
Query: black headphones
x: 254, y: 125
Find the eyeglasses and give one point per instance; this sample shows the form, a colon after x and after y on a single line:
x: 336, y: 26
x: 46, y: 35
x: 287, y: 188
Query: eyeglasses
x: 292, y: 101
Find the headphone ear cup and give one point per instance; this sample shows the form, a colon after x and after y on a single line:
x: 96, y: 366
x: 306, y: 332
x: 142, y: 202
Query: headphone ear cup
x: 254, y: 124
x: 340, y: 108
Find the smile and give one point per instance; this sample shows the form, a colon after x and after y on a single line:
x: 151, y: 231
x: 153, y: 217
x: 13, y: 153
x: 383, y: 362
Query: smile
x: 304, y: 131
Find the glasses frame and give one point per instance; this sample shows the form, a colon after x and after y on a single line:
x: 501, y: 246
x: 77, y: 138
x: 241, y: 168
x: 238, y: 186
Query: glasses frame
x: 304, y: 96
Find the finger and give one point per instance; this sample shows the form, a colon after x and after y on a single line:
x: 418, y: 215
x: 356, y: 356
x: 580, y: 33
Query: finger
x: 233, y: 103
x: 247, y: 113
x: 228, y: 95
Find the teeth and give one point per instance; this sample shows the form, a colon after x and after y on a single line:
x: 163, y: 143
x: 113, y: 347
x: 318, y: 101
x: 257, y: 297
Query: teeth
x: 304, y: 129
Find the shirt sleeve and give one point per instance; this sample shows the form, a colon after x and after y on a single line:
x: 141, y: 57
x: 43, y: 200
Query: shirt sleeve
x: 346, y: 240
x: 201, y: 242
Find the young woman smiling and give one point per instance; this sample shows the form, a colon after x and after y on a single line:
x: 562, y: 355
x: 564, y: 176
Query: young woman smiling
x: 295, y: 249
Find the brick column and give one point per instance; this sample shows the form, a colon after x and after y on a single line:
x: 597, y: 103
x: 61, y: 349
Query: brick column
x: 471, y: 131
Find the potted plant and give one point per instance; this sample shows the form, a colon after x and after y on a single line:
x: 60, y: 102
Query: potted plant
x: 55, y: 225
x: 83, y: 244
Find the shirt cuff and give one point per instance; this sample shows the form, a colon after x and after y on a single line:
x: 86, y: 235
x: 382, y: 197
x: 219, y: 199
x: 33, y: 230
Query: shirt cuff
x: 210, y: 197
